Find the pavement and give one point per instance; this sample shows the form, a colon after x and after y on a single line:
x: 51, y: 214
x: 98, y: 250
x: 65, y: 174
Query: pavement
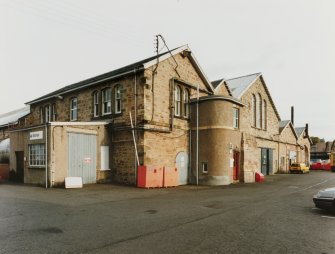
x: 277, y: 216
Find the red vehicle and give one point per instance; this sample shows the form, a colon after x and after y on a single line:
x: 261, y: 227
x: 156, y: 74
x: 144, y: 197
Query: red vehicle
x: 316, y: 164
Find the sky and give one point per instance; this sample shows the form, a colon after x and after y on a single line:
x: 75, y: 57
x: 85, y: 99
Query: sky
x: 48, y: 44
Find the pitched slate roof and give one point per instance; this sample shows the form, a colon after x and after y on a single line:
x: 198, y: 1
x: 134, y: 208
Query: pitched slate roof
x: 216, y: 83
x: 238, y: 86
x: 299, y: 130
x: 13, y: 116
x: 140, y: 65
x: 283, y: 124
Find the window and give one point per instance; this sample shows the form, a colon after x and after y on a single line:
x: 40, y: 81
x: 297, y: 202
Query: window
x: 258, y: 111
x: 107, y: 101
x: 96, y: 104
x: 74, y: 109
x: 47, y: 111
x: 236, y: 117
x: 204, y: 167
x: 118, y: 99
x: 53, y: 112
x: 41, y: 115
x: 253, y: 109
x: 264, y: 115
x: 186, y: 101
x: 37, y: 155
x: 177, y: 101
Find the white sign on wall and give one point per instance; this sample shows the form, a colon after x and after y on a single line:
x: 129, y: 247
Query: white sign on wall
x: 36, y: 135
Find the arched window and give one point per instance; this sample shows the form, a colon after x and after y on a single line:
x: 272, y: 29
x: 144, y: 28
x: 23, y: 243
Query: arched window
x: 177, y: 100
x: 118, y: 99
x: 107, y: 101
x: 186, y: 102
x: 264, y: 115
x: 96, y: 104
x: 258, y: 110
x: 253, y: 110
x: 73, y: 109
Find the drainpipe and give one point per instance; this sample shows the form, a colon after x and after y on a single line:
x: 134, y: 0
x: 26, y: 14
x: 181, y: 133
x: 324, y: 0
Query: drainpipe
x: 46, y: 155
x: 197, y: 137
x: 135, y: 125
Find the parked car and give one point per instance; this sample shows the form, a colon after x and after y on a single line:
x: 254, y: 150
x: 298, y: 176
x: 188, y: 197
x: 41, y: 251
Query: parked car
x: 316, y: 164
x: 299, y: 168
x: 325, y: 199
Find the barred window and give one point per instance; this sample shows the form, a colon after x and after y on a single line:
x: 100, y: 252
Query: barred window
x: 37, y: 155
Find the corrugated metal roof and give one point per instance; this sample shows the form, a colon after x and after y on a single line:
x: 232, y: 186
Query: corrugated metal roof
x: 13, y: 116
x: 240, y: 84
x: 299, y: 130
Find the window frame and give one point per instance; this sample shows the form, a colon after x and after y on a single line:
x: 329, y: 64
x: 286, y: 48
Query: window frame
x: 264, y: 115
x: 253, y: 106
x: 47, y: 113
x: 236, y: 118
x: 204, y: 167
x: 177, y: 100
x: 186, y: 103
x: 106, y: 104
x: 258, y: 111
x: 41, y: 115
x: 38, y: 158
x: 73, y: 109
x: 118, y: 99
x: 96, y: 104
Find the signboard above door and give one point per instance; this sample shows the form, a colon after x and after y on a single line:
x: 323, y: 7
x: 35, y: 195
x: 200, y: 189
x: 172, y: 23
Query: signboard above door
x: 36, y: 135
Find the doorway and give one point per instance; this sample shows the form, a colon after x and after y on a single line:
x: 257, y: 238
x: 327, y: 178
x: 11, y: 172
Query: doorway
x: 19, y: 166
x: 266, y: 161
x: 236, y: 166
x: 82, y: 156
x: 182, y: 165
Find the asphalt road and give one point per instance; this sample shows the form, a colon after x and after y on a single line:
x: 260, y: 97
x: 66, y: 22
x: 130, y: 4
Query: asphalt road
x: 277, y: 216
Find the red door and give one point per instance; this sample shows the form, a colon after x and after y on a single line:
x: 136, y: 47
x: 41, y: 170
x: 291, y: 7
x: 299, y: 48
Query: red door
x: 236, y: 167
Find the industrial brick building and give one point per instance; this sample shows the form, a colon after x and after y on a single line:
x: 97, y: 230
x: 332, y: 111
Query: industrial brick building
x: 161, y: 111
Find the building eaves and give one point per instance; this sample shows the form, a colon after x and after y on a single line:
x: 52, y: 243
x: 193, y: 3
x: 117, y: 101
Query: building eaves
x: 140, y: 65
x: 218, y: 97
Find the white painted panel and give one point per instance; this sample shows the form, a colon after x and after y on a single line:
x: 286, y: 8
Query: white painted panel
x: 104, y: 157
x: 73, y: 182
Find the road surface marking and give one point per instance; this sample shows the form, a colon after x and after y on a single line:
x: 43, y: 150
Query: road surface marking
x: 329, y: 217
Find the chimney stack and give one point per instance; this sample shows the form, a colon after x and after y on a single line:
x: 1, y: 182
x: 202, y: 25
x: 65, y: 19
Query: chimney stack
x: 292, y: 115
x: 306, y: 130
